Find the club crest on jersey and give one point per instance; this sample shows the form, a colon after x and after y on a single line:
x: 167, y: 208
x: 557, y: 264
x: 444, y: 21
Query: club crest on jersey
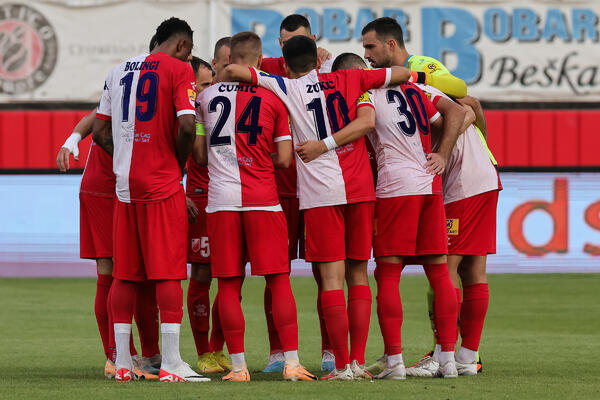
x: 452, y: 226
x: 196, y: 245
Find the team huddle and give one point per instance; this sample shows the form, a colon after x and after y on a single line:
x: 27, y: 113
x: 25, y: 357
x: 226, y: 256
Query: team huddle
x: 304, y: 156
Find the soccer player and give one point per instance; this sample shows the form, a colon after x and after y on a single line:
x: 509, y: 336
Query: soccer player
x: 293, y: 25
x: 221, y: 57
x: 336, y: 190
x: 244, y: 123
x: 96, y: 198
x: 210, y: 360
x: 471, y: 185
x: 409, y: 211
x: 383, y: 42
x: 148, y: 101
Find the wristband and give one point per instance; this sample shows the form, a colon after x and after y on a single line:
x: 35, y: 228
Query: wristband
x: 200, y: 129
x: 72, y: 141
x: 418, y: 77
x: 330, y: 143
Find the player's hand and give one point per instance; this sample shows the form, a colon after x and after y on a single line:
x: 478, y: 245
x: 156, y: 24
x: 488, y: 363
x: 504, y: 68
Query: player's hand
x: 435, y: 165
x: 310, y: 149
x: 71, y: 146
x: 323, y: 55
x: 62, y: 159
x: 192, y: 210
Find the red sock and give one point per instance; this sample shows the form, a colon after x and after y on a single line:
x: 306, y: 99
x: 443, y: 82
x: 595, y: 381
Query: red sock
x: 325, y: 344
x: 231, y: 314
x: 359, y: 318
x: 198, y: 305
x: 274, y: 343
x: 459, y: 302
x: 146, y: 318
x: 333, y: 303
x: 284, y: 311
x: 100, y: 309
x: 444, y: 305
x: 112, y: 346
x: 389, y: 305
x: 217, y: 340
x: 473, y: 311
x: 169, y: 297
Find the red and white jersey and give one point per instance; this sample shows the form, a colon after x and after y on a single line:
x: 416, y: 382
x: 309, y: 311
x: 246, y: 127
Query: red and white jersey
x: 469, y: 170
x: 320, y: 105
x: 196, y: 183
x: 287, y: 178
x: 143, y: 97
x: 242, y: 124
x: 98, y: 178
x: 402, y: 140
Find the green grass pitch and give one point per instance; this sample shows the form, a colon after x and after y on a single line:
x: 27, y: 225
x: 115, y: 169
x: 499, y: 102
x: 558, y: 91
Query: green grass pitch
x: 541, y: 340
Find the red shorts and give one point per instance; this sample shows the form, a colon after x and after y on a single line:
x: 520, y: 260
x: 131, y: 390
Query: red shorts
x: 471, y: 225
x: 150, y: 239
x: 291, y: 210
x: 261, y: 235
x: 410, y: 226
x: 95, y: 226
x: 339, y: 232
x: 198, y: 248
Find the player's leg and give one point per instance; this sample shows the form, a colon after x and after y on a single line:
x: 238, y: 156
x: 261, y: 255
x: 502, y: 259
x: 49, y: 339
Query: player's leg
x: 123, y: 306
x: 396, y: 228
x: 217, y: 339
x: 389, y: 312
x: 473, y: 311
x: 162, y: 228
x: 146, y: 319
x: 327, y: 357
x: 103, y: 284
x: 325, y: 246
x: 198, y: 306
x: 359, y: 240
x: 265, y: 234
x: 227, y: 262
x: 276, y: 357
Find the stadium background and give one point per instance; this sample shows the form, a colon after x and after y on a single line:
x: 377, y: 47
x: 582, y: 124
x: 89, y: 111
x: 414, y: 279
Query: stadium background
x: 534, y: 66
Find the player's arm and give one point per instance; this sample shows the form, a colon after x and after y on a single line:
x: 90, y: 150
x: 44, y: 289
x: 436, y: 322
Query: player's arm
x: 447, y: 83
x: 71, y: 145
x: 185, y: 138
x: 475, y: 105
x: 200, y: 153
x: 453, y: 119
x: 237, y: 73
x: 283, y: 158
x: 102, y: 135
x: 362, y: 124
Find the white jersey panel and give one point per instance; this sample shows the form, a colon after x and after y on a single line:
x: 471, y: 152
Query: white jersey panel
x: 224, y: 185
x: 320, y: 182
x: 400, y: 156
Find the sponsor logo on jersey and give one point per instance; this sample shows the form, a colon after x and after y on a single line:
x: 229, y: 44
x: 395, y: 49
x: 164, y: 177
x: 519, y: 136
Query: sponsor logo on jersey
x: 432, y: 67
x: 28, y: 49
x: 192, y: 96
x: 452, y: 226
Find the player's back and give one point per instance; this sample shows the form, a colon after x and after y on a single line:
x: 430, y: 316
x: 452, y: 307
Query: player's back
x: 242, y: 124
x: 146, y: 94
x: 469, y: 170
x: 402, y: 140
x: 320, y: 105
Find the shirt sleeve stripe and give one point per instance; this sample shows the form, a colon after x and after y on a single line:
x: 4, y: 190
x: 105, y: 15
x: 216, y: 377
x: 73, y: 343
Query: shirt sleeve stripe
x: 365, y: 104
x: 282, y: 138
x: 186, y: 112
x: 103, y: 116
x: 434, y: 118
